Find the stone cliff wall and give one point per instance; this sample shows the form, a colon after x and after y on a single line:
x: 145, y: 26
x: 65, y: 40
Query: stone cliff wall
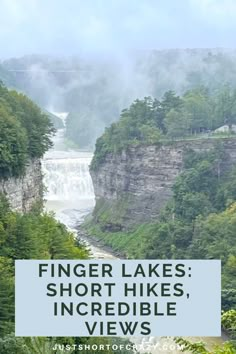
x: 146, y: 175
x: 24, y: 191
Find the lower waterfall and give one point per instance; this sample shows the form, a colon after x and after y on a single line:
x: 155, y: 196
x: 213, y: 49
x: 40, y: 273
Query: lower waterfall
x: 67, y: 177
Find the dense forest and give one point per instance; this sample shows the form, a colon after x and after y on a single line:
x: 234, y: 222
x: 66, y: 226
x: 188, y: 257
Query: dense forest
x: 25, y: 132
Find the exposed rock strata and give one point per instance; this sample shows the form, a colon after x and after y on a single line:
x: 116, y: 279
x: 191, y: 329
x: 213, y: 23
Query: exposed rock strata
x: 147, y: 174
x: 24, y: 191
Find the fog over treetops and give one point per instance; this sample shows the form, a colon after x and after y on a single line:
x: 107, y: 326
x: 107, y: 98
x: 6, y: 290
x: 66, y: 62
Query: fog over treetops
x: 94, y: 58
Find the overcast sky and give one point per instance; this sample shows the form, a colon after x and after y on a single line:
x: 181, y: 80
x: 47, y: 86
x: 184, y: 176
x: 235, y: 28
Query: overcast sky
x: 69, y: 27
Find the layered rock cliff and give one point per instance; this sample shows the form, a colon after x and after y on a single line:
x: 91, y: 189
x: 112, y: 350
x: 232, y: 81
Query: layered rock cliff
x: 24, y: 191
x: 139, y: 180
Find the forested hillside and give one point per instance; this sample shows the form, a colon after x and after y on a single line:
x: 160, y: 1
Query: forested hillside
x: 198, y: 113
x: 25, y: 132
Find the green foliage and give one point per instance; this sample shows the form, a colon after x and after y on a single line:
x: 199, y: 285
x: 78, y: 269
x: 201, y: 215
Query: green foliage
x: 25, y: 132
x: 12, y: 345
x: 200, y: 347
x: 43, y: 345
x: 198, y: 109
x: 177, y: 123
x: 198, y: 223
x: 13, y: 145
x: 214, y: 237
x: 150, y: 121
x: 109, y: 215
x: 137, y: 125
x: 228, y: 320
x: 29, y: 236
x: 34, y: 236
x: 7, y: 309
x: 225, y: 105
x: 202, y: 187
x: 195, y: 348
x: 228, y: 296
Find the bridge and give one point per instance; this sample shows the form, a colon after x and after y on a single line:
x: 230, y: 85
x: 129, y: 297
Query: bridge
x: 44, y: 70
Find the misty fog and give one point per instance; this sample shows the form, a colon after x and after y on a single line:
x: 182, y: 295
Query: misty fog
x: 92, y: 59
x: 94, y: 92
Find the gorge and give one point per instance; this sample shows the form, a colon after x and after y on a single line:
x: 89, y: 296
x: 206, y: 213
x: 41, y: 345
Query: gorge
x: 73, y: 204
x: 70, y: 190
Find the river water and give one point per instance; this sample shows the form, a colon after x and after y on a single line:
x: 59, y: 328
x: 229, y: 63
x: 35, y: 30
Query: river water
x: 69, y: 189
x: 70, y: 196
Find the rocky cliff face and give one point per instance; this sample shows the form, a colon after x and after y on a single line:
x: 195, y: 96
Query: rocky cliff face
x: 24, y: 191
x: 145, y: 175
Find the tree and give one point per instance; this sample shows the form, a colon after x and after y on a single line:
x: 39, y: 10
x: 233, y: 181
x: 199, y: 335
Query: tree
x: 225, y: 106
x: 195, y: 190
x: 193, y: 205
x: 29, y: 236
x: 12, y: 345
x: 171, y: 101
x: 13, y: 145
x: 228, y: 321
x: 177, y: 123
x: 7, y: 309
x: 200, y: 347
x: 25, y: 132
x: 197, y: 107
x: 37, y: 124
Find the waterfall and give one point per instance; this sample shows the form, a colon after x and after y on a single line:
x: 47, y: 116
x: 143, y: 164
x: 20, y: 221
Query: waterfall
x: 62, y: 115
x: 67, y: 177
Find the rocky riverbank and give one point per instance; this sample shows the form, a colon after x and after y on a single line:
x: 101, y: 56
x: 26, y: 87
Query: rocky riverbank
x: 98, y: 248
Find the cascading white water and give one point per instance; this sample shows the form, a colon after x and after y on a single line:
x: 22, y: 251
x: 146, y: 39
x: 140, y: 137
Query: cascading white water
x: 66, y: 172
x: 67, y: 177
x: 69, y: 188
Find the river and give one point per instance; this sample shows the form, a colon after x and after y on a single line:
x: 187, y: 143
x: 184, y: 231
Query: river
x: 70, y: 196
